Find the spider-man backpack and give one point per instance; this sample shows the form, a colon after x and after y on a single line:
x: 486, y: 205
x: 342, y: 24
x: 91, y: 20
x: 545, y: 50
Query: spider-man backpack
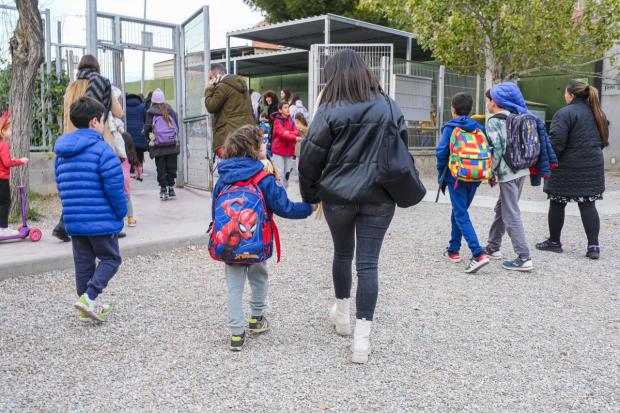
x: 243, y: 229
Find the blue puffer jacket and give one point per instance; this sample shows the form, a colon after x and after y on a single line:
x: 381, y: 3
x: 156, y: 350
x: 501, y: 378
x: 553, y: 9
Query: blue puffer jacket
x: 443, y: 147
x: 241, y: 169
x: 136, y: 115
x: 508, y: 95
x: 90, y: 184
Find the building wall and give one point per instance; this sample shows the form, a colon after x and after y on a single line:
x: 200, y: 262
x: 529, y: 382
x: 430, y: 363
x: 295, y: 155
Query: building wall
x: 296, y: 83
x: 548, y: 88
x: 611, y: 106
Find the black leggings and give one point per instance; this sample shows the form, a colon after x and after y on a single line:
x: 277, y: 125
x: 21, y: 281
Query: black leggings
x: 5, y: 202
x: 589, y: 217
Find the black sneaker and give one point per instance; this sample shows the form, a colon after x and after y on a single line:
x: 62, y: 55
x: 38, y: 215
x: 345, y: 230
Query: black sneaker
x: 258, y: 324
x: 594, y: 252
x: 548, y: 245
x: 163, y: 193
x: 171, y: 193
x: 61, y: 235
x: 237, y: 342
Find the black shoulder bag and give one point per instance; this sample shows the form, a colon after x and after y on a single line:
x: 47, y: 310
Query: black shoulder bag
x: 397, y: 172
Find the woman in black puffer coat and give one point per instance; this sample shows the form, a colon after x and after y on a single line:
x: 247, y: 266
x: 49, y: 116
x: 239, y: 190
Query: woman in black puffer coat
x: 338, y: 166
x: 579, y: 132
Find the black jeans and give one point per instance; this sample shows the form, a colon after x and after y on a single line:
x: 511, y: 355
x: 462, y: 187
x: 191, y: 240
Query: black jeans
x: 166, y: 169
x: 366, y: 224
x: 5, y: 202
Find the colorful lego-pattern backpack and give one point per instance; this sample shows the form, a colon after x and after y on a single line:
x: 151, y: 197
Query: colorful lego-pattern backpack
x: 243, y: 230
x: 470, y: 156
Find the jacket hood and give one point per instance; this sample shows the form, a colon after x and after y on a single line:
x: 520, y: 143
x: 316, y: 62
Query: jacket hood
x: 133, y: 100
x: 76, y: 142
x: 236, y: 82
x: 508, y: 95
x: 463, y: 122
x: 238, y: 169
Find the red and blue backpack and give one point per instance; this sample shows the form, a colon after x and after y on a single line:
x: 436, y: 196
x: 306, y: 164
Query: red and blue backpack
x: 243, y: 230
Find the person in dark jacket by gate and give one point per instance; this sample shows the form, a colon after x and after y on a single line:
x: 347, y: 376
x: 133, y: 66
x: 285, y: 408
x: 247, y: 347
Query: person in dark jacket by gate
x: 579, y: 132
x: 136, y: 115
x: 165, y: 155
x: 228, y: 98
x: 338, y: 166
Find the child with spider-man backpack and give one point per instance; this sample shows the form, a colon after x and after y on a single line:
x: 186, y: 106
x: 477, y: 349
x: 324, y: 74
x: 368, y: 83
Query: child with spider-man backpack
x: 243, y: 232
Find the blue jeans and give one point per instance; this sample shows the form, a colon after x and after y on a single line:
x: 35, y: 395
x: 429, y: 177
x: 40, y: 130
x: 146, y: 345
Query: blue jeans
x: 368, y: 223
x: 91, y: 277
x: 462, y: 227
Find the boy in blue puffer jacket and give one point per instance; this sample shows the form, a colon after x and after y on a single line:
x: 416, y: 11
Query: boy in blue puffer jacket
x: 90, y: 185
x: 241, y: 152
x: 461, y: 194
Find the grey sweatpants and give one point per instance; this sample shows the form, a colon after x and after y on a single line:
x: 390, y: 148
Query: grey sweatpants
x: 285, y: 166
x: 259, y: 286
x: 508, y: 219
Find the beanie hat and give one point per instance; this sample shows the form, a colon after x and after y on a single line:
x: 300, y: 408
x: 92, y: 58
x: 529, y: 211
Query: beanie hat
x: 158, y: 96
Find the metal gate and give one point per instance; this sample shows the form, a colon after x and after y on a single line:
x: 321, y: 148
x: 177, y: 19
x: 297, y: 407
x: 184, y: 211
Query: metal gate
x: 189, y: 43
x: 379, y: 58
x: 195, y: 60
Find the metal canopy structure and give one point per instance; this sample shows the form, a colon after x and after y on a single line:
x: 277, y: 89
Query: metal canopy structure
x: 325, y: 29
x: 285, y: 61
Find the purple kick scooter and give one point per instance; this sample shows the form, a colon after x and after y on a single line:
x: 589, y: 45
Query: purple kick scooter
x: 24, y: 230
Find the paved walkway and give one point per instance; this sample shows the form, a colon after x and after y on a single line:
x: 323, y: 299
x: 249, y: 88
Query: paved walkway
x: 161, y: 226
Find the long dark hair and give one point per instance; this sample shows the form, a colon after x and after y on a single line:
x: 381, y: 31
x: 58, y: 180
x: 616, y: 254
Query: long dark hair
x: 274, y: 99
x: 132, y: 156
x: 287, y: 94
x: 582, y: 90
x: 348, y: 78
x: 88, y: 61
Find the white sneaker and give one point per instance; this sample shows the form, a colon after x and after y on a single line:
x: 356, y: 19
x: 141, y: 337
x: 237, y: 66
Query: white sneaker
x: 8, y: 232
x: 339, y: 316
x: 361, y: 341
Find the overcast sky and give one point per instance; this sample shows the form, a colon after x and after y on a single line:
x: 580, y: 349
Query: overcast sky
x: 225, y: 15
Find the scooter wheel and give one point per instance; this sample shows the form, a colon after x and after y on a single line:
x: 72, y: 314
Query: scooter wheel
x: 35, y: 235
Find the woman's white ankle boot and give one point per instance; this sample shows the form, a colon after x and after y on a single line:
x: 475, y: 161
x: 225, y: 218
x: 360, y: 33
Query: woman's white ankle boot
x: 361, y: 341
x: 339, y: 315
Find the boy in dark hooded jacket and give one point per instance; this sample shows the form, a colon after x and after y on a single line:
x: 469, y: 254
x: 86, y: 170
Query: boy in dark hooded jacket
x: 461, y: 195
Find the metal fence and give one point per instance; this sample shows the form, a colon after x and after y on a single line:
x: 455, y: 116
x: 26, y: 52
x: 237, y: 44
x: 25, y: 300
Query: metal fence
x: 379, y: 58
x: 425, y: 133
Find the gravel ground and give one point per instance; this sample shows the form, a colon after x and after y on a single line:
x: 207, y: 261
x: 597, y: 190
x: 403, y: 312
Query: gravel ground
x: 442, y: 340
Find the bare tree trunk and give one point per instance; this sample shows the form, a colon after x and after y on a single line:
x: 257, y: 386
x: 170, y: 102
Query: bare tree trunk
x: 27, y: 56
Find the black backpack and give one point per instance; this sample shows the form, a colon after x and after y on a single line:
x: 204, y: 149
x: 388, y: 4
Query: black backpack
x: 397, y: 172
x: 522, y: 140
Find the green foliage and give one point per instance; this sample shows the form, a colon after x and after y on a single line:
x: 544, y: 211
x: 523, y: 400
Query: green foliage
x: 283, y: 10
x: 506, y: 37
x: 54, y: 90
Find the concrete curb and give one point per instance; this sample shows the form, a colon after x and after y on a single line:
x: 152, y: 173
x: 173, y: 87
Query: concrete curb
x: 65, y: 261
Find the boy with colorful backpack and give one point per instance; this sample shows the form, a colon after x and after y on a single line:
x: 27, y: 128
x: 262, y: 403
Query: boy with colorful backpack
x: 514, y: 133
x: 463, y: 161
x: 243, y: 230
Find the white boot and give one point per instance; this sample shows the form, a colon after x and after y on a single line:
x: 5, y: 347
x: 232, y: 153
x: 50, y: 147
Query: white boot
x: 339, y: 315
x: 361, y: 341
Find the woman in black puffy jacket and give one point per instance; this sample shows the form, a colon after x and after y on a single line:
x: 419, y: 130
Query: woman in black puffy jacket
x: 579, y: 132
x: 338, y: 167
